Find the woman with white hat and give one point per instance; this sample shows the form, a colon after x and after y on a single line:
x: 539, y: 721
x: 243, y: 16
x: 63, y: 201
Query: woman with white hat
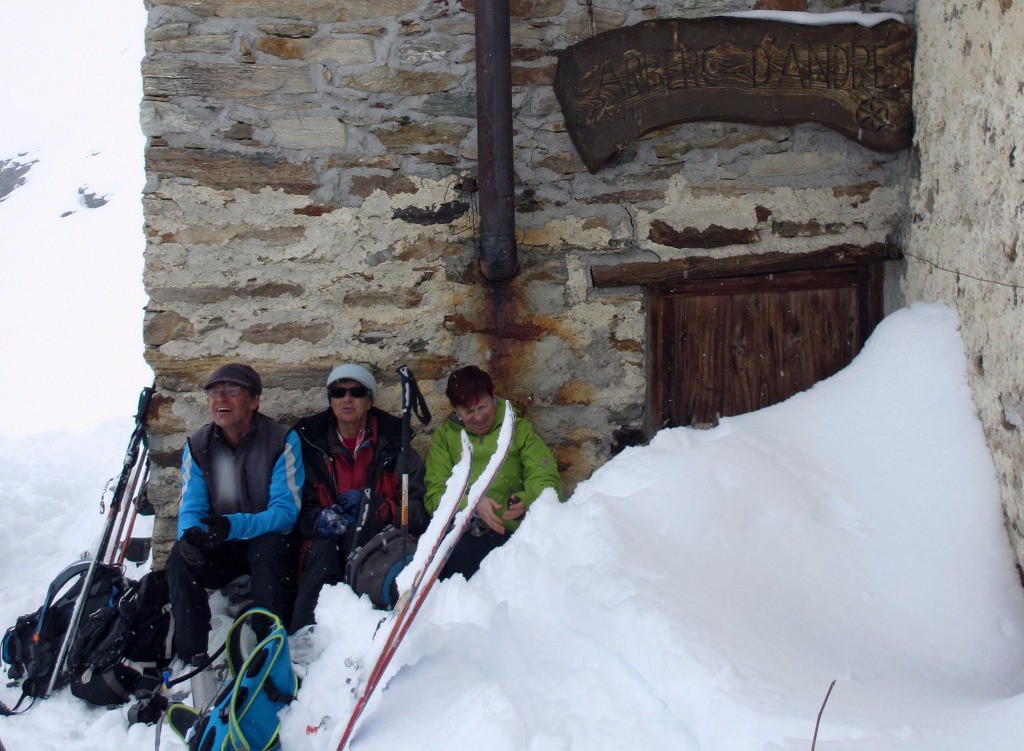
x: 353, y: 489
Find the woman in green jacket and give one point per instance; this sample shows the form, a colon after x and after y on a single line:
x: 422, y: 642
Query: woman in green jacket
x: 528, y: 469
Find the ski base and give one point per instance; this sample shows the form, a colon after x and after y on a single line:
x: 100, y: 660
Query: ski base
x: 449, y: 529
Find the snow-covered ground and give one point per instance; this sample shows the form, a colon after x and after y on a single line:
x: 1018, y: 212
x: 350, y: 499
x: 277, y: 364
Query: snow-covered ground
x: 701, y: 592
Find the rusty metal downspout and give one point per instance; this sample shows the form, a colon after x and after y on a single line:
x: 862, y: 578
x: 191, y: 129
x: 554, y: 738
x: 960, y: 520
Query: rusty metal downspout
x: 498, y: 261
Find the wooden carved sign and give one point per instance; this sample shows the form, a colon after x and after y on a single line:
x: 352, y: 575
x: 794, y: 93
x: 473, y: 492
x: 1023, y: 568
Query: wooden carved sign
x: 855, y: 79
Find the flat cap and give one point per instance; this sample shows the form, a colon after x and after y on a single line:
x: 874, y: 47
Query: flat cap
x: 238, y: 373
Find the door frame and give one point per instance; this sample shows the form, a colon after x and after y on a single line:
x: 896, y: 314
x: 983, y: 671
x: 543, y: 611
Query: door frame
x: 659, y: 277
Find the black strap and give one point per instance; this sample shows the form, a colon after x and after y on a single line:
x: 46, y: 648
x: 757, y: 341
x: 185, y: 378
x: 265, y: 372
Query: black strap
x: 199, y: 668
x: 275, y: 694
x: 6, y: 711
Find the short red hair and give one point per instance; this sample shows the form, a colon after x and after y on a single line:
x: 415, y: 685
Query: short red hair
x: 466, y: 385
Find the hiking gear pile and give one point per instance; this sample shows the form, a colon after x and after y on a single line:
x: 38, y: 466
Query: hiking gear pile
x: 260, y: 683
x: 122, y: 641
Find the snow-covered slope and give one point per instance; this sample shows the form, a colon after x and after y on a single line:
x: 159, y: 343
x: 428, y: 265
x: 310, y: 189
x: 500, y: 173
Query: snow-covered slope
x: 71, y: 241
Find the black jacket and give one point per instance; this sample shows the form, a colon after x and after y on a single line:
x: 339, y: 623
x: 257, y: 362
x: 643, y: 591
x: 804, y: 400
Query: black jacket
x: 382, y: 506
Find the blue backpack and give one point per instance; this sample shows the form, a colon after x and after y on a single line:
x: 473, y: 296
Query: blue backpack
x: 244, y: 716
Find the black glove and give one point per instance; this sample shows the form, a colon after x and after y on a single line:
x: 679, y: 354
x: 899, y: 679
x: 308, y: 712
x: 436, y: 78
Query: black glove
x: 190, y: 548
x: 217, y: 530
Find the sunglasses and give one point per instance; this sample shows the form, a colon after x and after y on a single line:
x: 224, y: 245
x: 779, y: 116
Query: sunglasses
x: 232, y: 390
x: 340, y: 392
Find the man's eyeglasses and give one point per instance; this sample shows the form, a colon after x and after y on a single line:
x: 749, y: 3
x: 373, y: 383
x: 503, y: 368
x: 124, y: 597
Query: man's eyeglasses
x: 226, y: 390
x: 340, y: 392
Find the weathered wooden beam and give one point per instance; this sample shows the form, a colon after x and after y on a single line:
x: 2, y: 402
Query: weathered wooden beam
x: 704, y: 267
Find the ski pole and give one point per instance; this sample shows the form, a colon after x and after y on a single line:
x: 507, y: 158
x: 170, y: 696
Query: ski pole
x: 130, y: 459
x: 121, y: 548
x: 125, y: 510
x: 412, y: 403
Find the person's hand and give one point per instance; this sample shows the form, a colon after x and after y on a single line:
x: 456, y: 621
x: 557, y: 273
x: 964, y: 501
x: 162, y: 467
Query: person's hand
x: 348, y: 502
x: 189, y: 548
x: 217, y: 530
x: 487, y: 511
x: 516, y: 509
x: 330, y: 523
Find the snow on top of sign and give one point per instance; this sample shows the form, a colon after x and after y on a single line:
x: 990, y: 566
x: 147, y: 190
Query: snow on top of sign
x: 817, y: 19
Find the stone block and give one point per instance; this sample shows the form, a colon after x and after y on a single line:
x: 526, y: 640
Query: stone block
x: 187, y: 375
x: 230, y: 171
x: 444, y: 213
x: 717, y: 138
x: 400, y: 81
x: 309, y: 133
x: 214, y: 43
x: 438, y: 157
x: 450, y: 104
x: 166, y: 326
x: 162, y: 118
x: 418, y: 52
x: 202, y: 294
x: 562, y: 162
x: 713, y: 236
x: 408, y: 139
x: 320, y: 11
x: 364, y: 185
x: 281, y: 333
x: 526, y: 9
x: 161, y: 417
x: 403, y: 299
x: 217, y: 236
x: 523, y: 75
x: 296, y: 30
x: 355, y: 161
x: 347, y: 51
x: 182, y: 78
x: 812, y: 228
x: 795, y: 163
x: 638, y: 196
x: 170, y: 30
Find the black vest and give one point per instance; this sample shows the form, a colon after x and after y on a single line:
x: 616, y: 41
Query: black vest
x: 238, y: 480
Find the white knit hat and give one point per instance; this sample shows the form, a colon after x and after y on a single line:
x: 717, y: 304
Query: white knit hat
x: 352, y: 372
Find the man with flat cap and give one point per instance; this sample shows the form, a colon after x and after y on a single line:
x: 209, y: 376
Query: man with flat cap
x: 241, y: 483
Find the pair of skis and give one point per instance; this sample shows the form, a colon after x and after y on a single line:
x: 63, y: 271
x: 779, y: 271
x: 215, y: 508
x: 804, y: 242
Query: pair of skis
x: 432, y: 551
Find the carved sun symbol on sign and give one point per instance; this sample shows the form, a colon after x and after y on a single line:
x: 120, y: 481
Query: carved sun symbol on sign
x: 873, y: 114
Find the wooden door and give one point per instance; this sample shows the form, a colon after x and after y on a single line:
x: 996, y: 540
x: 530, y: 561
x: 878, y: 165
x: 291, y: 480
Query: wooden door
x: 727, y: 346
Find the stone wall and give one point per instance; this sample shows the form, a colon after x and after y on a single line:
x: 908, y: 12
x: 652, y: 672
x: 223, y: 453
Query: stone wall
x: 307, y: 203
x: 964, y: 244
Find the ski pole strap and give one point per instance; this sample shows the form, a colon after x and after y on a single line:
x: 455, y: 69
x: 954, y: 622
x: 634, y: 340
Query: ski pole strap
x: 168, y: 682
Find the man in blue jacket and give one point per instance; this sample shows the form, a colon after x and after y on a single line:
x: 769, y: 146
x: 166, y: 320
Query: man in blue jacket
x: 241, y: 481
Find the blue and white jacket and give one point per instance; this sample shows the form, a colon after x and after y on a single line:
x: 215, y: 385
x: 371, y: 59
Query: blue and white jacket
x: 257, y: 486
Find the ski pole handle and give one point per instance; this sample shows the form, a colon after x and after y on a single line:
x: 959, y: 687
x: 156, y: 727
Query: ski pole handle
x: 145, y: 397
x: 412, y: 397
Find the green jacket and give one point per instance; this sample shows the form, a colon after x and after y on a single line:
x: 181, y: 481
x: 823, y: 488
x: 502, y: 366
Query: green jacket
x: 527, y: 470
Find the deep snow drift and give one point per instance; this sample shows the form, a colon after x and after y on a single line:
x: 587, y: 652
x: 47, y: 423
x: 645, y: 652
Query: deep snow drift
x: 698, y: 593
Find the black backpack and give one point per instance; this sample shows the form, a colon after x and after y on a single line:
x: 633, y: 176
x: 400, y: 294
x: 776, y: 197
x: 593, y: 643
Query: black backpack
x: 372, y: 568
x: 120, y: 652
x: 31, y: 646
